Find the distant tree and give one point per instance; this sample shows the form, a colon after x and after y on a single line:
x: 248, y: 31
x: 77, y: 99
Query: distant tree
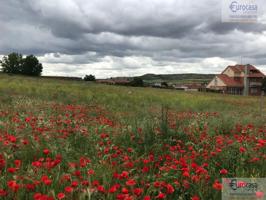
x: 204, y: 83
x: 89, y: 78
x: 164, y: 84
x: 31, y: 66
x: 137, y: 82
x: 263, y: 87
x: 14, y: 63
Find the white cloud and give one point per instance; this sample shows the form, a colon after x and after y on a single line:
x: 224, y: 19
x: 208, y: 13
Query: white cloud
x: 110, y: 66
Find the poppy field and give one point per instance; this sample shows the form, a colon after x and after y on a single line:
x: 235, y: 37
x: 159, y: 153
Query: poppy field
x: 72, y: 140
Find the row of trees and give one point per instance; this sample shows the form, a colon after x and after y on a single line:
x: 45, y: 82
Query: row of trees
x: 15, y: 63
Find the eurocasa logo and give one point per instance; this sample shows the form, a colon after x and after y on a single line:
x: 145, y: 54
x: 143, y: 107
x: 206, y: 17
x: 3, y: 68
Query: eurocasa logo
x: 236, y: 7
x: 243, y: 188
x: 249, y: 186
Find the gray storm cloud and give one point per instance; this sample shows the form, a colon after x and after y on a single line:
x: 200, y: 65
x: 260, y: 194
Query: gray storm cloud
x: 73, y: 36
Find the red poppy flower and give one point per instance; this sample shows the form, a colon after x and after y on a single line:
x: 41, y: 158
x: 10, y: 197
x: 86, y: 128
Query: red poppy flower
x: 160, y: 196
x: 195, y: 197
x: 242, y: 149
x: 60, y: 195
x: 124, y: 174
x: 217, y: 185
x: 68, y: 189
x: 91, y: 172
x: 74, y: 184
x: 114, y: 188
x: 37, y: 196
x: 30, y: 187
x: 186, y: 174
x: 11, y: 170
x: 223, y: 171
x: 13, y: 185
x: 156, y: 184
x: 17, y: 163
x: 100, y: 188
x: 131, y: 182
x: 46, y: 151
x: 3, y: 193
x: 138, y: 191
x: 145, y: 169
x: 124, y: 190
x: 147, y: 198
x: 170, y: 189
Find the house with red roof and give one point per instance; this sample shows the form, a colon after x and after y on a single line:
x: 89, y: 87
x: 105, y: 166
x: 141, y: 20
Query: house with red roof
x: 232, y: 79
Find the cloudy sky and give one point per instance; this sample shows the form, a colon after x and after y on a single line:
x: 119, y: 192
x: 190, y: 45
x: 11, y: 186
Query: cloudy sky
x: 129, y: 37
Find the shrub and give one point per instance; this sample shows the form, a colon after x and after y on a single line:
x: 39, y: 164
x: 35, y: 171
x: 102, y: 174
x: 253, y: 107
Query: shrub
x: 89, y: 78
x: 137, y: 82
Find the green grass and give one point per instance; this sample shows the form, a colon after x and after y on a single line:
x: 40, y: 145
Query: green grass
x: 127, y: 103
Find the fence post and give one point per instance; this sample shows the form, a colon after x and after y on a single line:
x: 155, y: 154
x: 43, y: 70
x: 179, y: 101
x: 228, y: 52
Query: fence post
x: 261, y: 103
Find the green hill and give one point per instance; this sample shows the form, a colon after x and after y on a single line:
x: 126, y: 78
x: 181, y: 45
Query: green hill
x: 178, y: 78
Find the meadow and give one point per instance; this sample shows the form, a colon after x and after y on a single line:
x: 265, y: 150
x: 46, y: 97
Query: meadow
x: 80, y: 140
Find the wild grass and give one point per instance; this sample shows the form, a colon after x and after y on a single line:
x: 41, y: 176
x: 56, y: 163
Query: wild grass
x: 128, y: 103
